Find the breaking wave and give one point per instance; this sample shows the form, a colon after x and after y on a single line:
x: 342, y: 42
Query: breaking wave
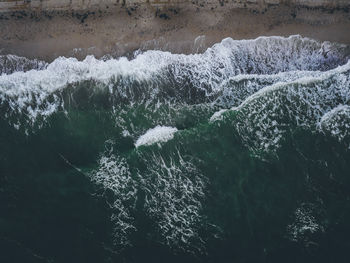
x: 156, y: 135
x: 224, y: 74
x: 11, y: 63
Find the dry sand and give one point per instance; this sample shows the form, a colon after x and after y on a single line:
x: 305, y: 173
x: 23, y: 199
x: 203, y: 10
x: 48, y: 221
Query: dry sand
x: 181, y: 28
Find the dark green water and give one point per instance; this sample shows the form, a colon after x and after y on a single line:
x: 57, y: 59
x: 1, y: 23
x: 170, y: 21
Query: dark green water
x: 240, y: 154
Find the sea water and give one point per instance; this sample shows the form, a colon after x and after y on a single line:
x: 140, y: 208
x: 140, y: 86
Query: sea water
x: 238, y: 154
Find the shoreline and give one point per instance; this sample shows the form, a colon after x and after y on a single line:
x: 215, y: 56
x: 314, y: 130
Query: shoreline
x: 178, y: 28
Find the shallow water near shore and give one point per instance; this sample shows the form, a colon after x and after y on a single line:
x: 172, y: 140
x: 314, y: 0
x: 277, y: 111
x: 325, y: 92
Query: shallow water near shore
x: 238, y: 154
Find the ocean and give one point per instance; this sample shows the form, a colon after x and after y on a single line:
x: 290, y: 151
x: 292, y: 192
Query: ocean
x: 237, y: 154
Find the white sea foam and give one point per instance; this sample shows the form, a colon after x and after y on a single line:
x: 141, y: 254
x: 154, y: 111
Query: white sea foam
x: 174, y: 191
x: 268, y: 114
x: 336, y: 122
x: 194, y: 78
x: 11, y: 63
x: 113, y: 174
x: 156, y: 135
x: 305, y: 224
x: 218, y: 115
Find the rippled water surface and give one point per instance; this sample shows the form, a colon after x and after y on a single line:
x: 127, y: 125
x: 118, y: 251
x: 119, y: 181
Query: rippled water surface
x: 239, y: 154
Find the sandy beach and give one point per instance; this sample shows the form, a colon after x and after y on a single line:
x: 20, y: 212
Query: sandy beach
x: 184, y: 27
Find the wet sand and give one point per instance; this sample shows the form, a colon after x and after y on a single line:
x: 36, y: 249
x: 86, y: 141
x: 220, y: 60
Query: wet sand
x: 184, y: 28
